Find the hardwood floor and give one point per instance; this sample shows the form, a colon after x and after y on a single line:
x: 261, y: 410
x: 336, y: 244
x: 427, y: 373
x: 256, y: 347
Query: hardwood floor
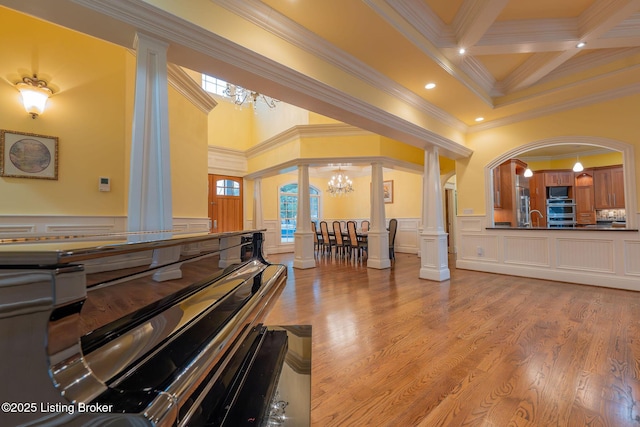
x: 480, y: 349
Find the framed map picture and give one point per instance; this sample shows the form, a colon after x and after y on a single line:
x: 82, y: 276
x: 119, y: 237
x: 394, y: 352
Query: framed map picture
x: 27, y: 155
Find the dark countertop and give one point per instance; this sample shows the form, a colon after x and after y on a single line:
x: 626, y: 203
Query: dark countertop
x: 599, y: 227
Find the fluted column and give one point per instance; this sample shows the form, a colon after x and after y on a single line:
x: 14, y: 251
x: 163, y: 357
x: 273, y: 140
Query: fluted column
x: 150, y: 198
x: 433, y: 239
x: 258, y: 221
x: 378, y: 236
x: 303, y: 237
x: 150, y: 203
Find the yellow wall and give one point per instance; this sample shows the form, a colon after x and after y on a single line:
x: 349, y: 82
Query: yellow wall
x: 86, y: 113
x: 616, y: 120
x: 605, y: 159
x: 231, y: 126
x: 189, y: 169
x: 90, y: 112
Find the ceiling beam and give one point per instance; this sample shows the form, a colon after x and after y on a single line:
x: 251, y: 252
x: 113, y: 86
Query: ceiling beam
x: 604, y: 15
x: 596, y: 21
x: 535, y: 68
x: 474, y: 18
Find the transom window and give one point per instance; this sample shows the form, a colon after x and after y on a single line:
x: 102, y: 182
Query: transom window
x: 214, y: 85
x: 227, y: 187
x: 289, y: 209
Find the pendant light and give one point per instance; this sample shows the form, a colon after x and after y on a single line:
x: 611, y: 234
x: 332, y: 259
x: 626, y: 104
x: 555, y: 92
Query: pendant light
x: 578, y: 166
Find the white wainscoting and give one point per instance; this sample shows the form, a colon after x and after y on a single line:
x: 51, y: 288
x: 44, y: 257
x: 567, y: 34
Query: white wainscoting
x: 609, y: 258
x: 14, y: 226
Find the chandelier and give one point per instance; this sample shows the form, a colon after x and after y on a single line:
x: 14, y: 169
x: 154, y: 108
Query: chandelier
x: 340, y: 184
x: 240, y: 96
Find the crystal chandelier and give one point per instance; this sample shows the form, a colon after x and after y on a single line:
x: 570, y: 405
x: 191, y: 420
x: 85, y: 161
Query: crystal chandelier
x: 240, y: 96
x: 340, y: 184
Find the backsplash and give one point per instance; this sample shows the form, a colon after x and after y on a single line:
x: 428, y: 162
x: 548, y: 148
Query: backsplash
x: 611, y: 215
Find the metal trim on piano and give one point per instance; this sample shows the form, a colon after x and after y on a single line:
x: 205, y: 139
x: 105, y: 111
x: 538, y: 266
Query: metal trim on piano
x: 159, y: 365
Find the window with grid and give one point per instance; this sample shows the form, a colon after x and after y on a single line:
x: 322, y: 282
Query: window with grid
x: 214, y: 85
x: 289, y: 209
x: 227, y: 187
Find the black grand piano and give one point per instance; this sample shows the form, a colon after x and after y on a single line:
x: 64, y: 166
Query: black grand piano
x: 147, y: 329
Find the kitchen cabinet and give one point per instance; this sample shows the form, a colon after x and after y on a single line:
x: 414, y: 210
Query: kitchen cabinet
x: 505, y: 197
x: 557, y: 179
x: 609, y: 188
x: 585, y: 198
x: 538, y: 199
x: 497, y: 188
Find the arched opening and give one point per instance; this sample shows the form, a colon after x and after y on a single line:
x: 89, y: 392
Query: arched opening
x: 509, y: 197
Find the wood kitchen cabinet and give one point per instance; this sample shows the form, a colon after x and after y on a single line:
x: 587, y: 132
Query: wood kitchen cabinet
x: 504, y: 191
x: 585, y: 198
x: 609, y: 188
x: 497, y: 188
x: 556, y: 179
x: 538, y: 199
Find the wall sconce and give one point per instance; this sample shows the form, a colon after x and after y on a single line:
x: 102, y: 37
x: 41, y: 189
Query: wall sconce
x: 528, y: 173
x: 34, y: 94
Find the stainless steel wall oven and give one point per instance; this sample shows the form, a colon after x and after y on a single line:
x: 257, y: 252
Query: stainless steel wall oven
x: 561, y: 213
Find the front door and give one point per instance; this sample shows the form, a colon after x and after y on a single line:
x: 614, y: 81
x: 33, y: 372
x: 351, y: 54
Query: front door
x: 225, y: 203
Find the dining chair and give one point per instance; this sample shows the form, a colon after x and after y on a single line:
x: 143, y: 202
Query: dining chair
x: 341, y: 247
x: 358, y: 247
x: 393, y: 228
x: 327, y: 242
x: 364, y: 226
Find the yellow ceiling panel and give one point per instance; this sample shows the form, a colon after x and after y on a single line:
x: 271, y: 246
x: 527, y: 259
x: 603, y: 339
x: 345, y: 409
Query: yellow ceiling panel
x: 543, y: 9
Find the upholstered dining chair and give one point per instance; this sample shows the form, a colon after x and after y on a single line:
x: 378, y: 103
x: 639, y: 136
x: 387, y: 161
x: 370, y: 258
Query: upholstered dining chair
x: 364, y: 226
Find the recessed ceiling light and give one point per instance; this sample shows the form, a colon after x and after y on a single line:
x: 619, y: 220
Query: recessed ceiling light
x: 581, y: 45
x: 429, y: 85
x: 479, y: 119
x: 461, y: 51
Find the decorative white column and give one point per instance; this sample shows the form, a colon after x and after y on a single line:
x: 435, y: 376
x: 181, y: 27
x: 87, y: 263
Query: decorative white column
x: 258, y: 221
x: 303, y: 237
x: 434, y: 264
x: 378, y: 236
x: 150, y: 203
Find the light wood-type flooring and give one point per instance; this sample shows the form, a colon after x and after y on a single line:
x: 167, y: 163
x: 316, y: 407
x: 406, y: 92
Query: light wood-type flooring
x: 390, y: 349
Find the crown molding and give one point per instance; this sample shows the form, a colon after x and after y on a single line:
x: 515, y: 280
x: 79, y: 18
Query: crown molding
x: 149, y: 19
x: 291, y: 165
x: 630, y: 27
x: 586, y: 62
x: 187, y: 87
x: 584, y: 101
x: 226, y: 161
x: 269, y: 20
x: 304, y: 131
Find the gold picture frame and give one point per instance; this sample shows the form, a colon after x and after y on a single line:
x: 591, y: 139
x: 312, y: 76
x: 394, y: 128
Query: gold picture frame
x: 28, y: 155
x: 388, y: 191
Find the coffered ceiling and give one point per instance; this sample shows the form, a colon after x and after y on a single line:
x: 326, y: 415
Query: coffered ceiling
x: 521, y: 57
